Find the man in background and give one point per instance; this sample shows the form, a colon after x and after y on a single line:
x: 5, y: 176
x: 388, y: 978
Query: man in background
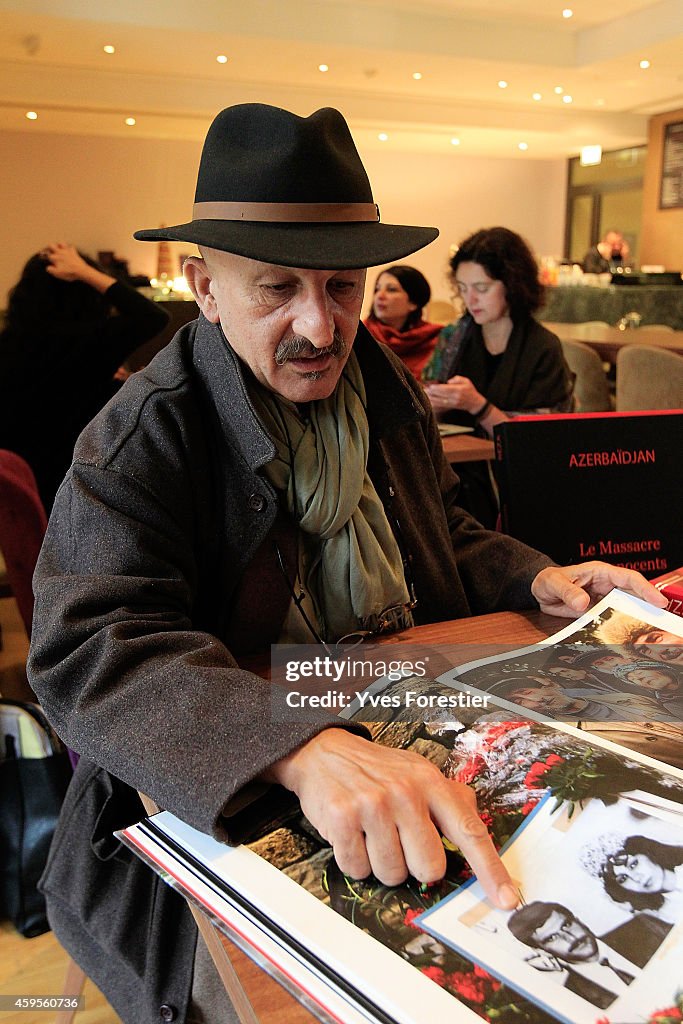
x: 612, y: 251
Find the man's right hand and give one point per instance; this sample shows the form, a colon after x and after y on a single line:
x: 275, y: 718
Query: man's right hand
x: 383, y: 811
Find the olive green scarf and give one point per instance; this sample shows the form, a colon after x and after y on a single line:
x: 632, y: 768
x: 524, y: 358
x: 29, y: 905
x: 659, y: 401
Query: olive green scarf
x: 349, y: 562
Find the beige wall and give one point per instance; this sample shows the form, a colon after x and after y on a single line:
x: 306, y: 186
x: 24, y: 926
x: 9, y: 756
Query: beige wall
x: 91, y: 191
x: 662, y: 235
x: 461, y: 194
x: 95, y: 191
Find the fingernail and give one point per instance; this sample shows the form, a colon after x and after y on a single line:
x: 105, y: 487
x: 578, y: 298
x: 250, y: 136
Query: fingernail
x: 508, y: 896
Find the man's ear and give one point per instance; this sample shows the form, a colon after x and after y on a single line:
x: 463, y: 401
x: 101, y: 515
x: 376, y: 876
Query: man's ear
x: 198, y: 277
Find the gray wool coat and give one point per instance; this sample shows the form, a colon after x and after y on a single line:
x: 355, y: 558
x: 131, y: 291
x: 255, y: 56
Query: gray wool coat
x: 157, y: 574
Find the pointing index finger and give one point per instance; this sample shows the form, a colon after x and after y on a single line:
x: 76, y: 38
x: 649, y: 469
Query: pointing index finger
x: 461, y: 824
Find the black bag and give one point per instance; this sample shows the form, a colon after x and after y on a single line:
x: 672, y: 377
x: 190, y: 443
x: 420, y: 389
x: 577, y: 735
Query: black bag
x: 34, y: 776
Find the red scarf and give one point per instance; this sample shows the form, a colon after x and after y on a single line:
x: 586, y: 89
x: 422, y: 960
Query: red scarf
x: 413, y: 347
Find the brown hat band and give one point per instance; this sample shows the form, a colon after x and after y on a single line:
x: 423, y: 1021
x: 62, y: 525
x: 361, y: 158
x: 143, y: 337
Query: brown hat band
x: 311, y: 213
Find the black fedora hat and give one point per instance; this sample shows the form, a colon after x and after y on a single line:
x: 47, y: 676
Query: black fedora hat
x: 289, y: 190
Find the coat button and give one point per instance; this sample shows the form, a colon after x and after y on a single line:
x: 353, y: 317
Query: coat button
x: 167, y: 1012
x: 257, y: 502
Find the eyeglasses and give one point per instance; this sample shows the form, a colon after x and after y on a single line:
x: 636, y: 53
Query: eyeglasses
x: 391, y: 620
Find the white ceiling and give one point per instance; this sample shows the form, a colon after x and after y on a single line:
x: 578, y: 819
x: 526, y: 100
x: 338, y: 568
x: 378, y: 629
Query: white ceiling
x: 164, y: 71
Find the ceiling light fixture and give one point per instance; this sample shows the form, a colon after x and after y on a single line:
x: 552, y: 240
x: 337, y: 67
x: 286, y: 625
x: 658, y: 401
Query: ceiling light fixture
x: 567, y: 13
x: 644, y: 64
x: 130, y: 121
x: 222, y: 58
x: 31, y: 115
x: 455, y: 141
x: 523, y: 146
x: 590, y: 155
x: 382, y: 136
x: 502, y: 84
x: 559, y: 90
x: 567, y: 98
x: 536, y: 96
x: 323, y: 67
x: 417, y: 75
x: 109, y: 48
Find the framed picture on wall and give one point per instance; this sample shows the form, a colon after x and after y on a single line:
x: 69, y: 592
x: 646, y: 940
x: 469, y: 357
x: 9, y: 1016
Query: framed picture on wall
x: 671, y: 187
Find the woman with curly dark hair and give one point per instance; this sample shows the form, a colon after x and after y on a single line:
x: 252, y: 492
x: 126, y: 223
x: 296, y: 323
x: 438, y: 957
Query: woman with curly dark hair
x: 648, y: 875
x: 497, y: 361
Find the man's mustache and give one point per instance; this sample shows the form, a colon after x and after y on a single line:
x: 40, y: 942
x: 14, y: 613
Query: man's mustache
x: 298, y: 347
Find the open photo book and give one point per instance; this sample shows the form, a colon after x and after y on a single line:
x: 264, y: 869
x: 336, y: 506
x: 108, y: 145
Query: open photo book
x: 591, y: 832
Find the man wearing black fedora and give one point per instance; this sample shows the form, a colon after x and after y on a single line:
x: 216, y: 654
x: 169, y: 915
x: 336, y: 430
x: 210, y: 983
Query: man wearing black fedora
x: 274, y: 475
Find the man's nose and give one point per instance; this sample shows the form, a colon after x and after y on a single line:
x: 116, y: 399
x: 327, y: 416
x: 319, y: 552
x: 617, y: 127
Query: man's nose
x: 314, y: 319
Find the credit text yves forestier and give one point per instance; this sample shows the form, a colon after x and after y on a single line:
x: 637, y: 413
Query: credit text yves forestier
x: 411, y: 698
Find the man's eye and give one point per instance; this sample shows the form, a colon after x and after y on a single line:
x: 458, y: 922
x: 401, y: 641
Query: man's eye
x: 343, y: 287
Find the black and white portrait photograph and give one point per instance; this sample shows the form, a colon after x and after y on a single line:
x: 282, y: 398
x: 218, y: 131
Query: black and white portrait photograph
x: 600, y: 920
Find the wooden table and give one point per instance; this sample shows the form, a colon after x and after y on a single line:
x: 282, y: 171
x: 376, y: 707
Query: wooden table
x: 467, y: 448
x: 272, y: 1003
x: 607, y: 341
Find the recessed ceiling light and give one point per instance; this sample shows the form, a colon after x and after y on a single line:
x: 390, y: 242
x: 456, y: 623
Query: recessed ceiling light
x: 382, y: 136
x: 31, y: 115
x: 130, y: 121
x: 109, y: 48
x: 536, y: 96
x: 644, y: 64
x: 323, y: 67
x: 417, y: 75
x: 559, y: 90
x: 502, y: 84
x: 567, y: 13
x: 455, y: 141
x: 222, y: 59
x: 590, y: 155
x: 567, y: 98
x: 523, y: 146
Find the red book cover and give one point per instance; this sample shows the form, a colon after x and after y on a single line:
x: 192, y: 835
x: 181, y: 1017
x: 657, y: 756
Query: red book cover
x: 671, y: 585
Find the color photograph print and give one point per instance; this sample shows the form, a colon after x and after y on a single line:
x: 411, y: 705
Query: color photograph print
x: 620, y: 662
x: 599, y: 933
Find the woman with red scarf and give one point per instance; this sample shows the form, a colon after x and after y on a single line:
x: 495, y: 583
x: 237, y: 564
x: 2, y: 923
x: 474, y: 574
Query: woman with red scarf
x: 401, y: 292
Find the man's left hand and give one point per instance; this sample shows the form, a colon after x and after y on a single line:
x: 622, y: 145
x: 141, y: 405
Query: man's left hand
x: 568, y: 590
